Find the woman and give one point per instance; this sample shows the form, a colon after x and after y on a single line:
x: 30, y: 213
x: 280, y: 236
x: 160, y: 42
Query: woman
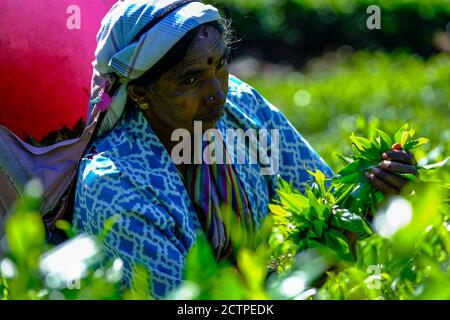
x: 171, y: 61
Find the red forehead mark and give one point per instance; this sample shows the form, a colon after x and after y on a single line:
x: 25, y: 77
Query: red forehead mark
x: 203, y: 34
x: 210, y: 61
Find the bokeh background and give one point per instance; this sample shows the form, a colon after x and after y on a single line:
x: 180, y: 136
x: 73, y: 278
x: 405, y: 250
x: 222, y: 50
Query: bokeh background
x: 318, y: 62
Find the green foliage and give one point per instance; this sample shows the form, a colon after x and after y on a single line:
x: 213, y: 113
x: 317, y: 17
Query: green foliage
x: 406, y: 264
x: 311, y: 221
x: 206, y: 278
x: 352, y: 187
x: 25, y: 234
x: 32, y: 269
x: 306, y: 249
x: 323, y: 217
x: 407, y: 257
x: 342, y: 94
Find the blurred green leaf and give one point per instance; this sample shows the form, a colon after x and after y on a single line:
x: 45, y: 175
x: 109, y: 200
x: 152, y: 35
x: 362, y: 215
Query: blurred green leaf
x: 25, y: 233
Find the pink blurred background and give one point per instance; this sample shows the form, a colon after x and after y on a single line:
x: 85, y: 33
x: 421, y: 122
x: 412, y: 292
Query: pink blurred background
x: 45, y: 68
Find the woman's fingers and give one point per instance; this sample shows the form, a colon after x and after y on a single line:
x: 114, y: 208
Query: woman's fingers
x: 392, y: 179
x: 393, y: 166
x: 395, y: 160
x: 399, y: 156
x: 384, y: 187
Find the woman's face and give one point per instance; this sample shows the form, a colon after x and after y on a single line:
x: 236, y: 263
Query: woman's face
x: 193, y: 90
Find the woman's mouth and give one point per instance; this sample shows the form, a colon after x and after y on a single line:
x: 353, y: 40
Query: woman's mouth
x: 213, y: 116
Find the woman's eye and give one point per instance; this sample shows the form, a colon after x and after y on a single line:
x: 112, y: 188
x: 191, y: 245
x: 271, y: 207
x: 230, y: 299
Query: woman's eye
x: 189, y: 81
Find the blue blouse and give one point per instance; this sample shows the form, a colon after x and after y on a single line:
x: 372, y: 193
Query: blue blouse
x: 129, y: 173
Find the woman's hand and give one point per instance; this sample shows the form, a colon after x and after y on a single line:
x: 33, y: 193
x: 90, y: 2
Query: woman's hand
x: 383, y: 176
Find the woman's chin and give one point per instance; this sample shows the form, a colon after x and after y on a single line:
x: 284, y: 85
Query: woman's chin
x: 209, y: 124
x: 205, y: 124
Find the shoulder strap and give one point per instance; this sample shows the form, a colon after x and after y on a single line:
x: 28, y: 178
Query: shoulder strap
x: 65, y: 206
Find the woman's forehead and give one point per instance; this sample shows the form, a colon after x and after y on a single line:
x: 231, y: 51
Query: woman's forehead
x: 204, y: 51
x: 207, y: 46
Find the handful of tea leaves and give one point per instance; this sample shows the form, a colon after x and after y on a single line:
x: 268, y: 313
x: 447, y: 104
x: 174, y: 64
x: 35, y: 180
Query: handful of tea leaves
x: 352, y: 188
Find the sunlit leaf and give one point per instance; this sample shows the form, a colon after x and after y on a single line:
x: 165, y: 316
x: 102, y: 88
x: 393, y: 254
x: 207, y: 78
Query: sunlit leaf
x: 350, y: 178
x: 278, y: 210
x: 294, y: 202
x: 319, y: 178
x: 141, y: 284
x: 412, y: 144
x: 434, y: 165
x: 385, y: 141
x: 399, y: 133
x: 361, y: 143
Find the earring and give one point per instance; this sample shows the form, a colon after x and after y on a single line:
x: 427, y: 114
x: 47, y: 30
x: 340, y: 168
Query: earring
x: 143, y: 105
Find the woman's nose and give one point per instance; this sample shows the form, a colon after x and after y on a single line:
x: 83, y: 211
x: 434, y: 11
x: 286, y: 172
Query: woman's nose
x: 216, y: 96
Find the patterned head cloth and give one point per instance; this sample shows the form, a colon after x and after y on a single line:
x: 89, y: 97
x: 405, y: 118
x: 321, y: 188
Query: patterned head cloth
x: 134, y: 35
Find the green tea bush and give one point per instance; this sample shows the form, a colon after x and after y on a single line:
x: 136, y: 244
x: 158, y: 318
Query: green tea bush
x: 405, y: 257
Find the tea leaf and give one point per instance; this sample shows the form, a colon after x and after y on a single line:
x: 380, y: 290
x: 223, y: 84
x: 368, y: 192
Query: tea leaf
x: 399, y: 133
x: 412, y: 144
x: 350, y: 221
x: 404, y: 138
x: 385, y: 141
x: 434, y: 165
x: 360, y: 142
